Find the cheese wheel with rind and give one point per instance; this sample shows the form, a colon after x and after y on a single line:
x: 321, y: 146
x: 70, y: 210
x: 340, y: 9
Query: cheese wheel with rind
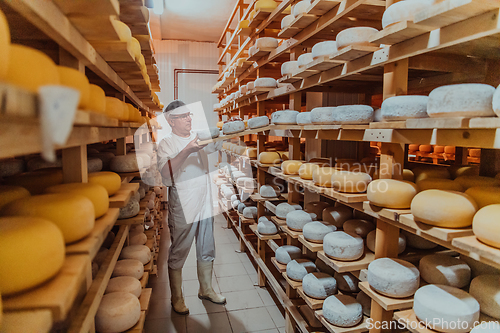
x: 485, y: 225
x: 425, y: 173
x: 391, y: 193
x: 297, y: 219
x: 404, y: 11
x: 95, y: 193
x: 267, y: 157
x: 10, y: 167
x: 355, y: 36
x: 265, y: 82
x: 298, y: 268
x: 117, y: 312
x: 342, y: 311
x: 125, y: 284
x: 304, y: 118
x: 350, y: 182
x: 393, y: 277
x: 475, y: 181
x: 323, y: 176
x: 418, y: 242
x: 291, y: 167
x: 137, y: 238
x: 319, y: 285
x: 484, y: 196
x: 250, y: 212
x: 347, y: 282
x: 75, y: 79
x: 233, y: 127
x: 111, y: 181
x: 258, y: 122
x: 304, y: 59
x: 266, y: 42
x: 306, y: 170
x: 267, y: 228
x: 300, y: 7
x: 284, y: 117
x: 439, y: 184
x: 343, y: 246
x: 289, y: 67
x: 316, y: 207
x: 316, y: 231
x: 286, y: 253
x: 487, y: 326
x: 366, y: 303
x: 322, y: 49
x: 404, y: 107
x: 36, y: 182
x: 128, y: 267
x: 444, y: 269
x: 337, y: 215
x: 283, y: 209
x: 139, y: 252
x: 130, y: 210
x: 344, y: 114
x: 359, y: 227
x: 123, y: 31
x: 486, y: 290
x: 286, y: 21
x: 265, y: 4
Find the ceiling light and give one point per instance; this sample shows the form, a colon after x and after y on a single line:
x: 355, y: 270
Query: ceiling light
x: 158, y: 7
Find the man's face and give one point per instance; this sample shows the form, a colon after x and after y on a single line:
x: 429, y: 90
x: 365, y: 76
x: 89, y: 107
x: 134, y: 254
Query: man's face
x: 181, y: 122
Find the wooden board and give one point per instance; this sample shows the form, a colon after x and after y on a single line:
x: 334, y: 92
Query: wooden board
x: 288, y: 32
x: 260, y: 53
x: 348, y: 266
x: 313, y: 247
x: 361, y: 327
x: 253, y: 227
x: 259, y: 16
x: 290, y: 232
x: 353, y: 52
x: 289, y: 79
x: 291, y: 283
x: 139, y: 327
x: 399, y: 32
x: 144, y: 280
x: 39, y: 321
x: 388, y: 124
x: 278, y: 221
x: 92, y: 8
x: 412, y: 323
x: 388, y: 303
x: 305, y: 73
x: 313, y: 303
x: 280, y: 267
x: 430, y: 123
x: 89, y: 118
x: 303, y: 20
x: 121, y: 198
x: 323, y: 64
x: 391, y: 214
x: 138, y: 219
x: 444, y: 234
x: 320, y: 7
x: 114, y: 51
x: 484, y: 122
x: 477, y: 250
x: 309, y: 316
x: 230, y: 136
x: 144, y: 298
x: 345, y: 197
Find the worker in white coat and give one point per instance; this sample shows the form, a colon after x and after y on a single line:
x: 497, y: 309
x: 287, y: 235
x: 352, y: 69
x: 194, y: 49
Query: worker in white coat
x: 183, y: 164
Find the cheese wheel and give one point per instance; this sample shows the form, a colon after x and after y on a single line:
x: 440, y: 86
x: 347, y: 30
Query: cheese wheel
x: 445, y: 308
x: 266, y: 227
x: 404, y: 107
x: 485, y: 225
x: 95, y: 193
x: 316, y: 231
x: 355, y: 36
x: 316, y: 207
x: 298, y: 268
x: 300, y: 7
x: 306, y: 170
x: 115, y: 108
x: 359, y: 227
x: 489, y: 327
x: 269, y: 158
x: 337, y: 215
x: 425, y: 148
x: 243, y: 24
x: 425, y: 173
x: 345, y: 114
x: 109, y: 180
x: 233, y: 127
x: 366, y: 303
x: 266, y: 42
x: 117, y: 312
x: 479, y: 268
x: 304, y: 59
x: 39, y: 163
x: 304, y: 118
x: 283, y: 209
x: 4, y: 55
x: 496, y: 101
x: 73, y: 78
x: 139, y: 252
x: 418, y: 242
x: 31, y: 252
x: 291, y: 167
x: 446, y: 209
x: 289, y: 67
x: 9, y: 193
x: 123, y: 31
x: 323, y: 49
x: 342, y: 311
x: 286, y: 253
x: 444, y: 269
x: 343, y: 246
x: 124, y: 163
x: 408, y: 175
x: 439, y: 184
x: 370, y: 241
x: 10, y: 167
x: 129, y: 267
x: 105, y: 158
x: 265, y: 82
x: 350, y: 182
x: 323, y: 176
x: 461, y: 100
x: 404, y: 11
x: 319, y: 285
x: 297, y: 219
x: 475, y: 152
x: 284, y: 117
x: 486, y: 290
x: 393, y: 277
x: 257, y: 122
x: 391, y: 193
x: 347, y: 282
x: 124, y: 284
x: 477, y: 181
x: 250, y: 212
x: 72, y: 213
x: 265, y: 4
x: 137, y: 238
x: 484, y: 196
x: 130, y: 210
x: 286, y: 21
x: 94, y: 164
x: 30, y: 69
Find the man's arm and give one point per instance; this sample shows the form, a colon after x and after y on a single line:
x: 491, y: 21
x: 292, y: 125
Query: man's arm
x: 181, y: 157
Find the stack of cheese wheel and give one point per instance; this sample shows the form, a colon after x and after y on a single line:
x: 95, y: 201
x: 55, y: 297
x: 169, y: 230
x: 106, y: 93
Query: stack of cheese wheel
x: 323, y: 49
x: 291, y: 167
x: 9, y: 193
x: 404, y: 11
x: 391, y: 193
x: 337, y: 215
x: 393, y: 277
x: 286, y: 253
x: 370, y: 241
x: 444, y: 269
x: 95, y: 193
x: 109, y: 180
x: 343, y: 246
x: 284, y: 117
x: 298, y: 268
x: 233, y: 127
x: 404, y: 107
x: 319, y: 285
x: 342, y: 311
x: 485, y: 225
x: 357, y: 36
x: 269, y: 158
x: 350, y: 182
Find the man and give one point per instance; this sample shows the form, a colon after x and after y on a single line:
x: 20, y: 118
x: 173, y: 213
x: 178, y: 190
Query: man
x: 183, y: 165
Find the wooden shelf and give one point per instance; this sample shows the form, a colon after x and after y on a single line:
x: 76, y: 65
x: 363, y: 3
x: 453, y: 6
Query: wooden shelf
x: 122, y: 197
x: 361, y: 327
x: 388, y: 303
x: 477, y: 250
x: 139, y: 327
x: 348, y: 266
x: 443, y: 234
x: 280, y: 267
x: 293, y: 234
x: 291, y: 283
x: 377, y: 212
x: 313, y: 303
x: 253, y: 227
x: 27, y: 321
x: 235, y: 135
x: 313, y: 247
x: 399, y: 32
x: 279, y: 222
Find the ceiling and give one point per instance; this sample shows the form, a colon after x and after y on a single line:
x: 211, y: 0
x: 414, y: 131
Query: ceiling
x: 194, y: 20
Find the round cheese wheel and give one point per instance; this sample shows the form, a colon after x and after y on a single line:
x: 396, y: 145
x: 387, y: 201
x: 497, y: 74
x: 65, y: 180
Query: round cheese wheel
x: 297, y: 219
x: 425, y: 148
x: 461, y: 100
x: 444, y: 307
x: 124, y: 163
x: 139, y: 252
x: 30, y: 69
x: 138, y: 238
x: 9, y: 193
x: 94, y: 192
x: 289, y: 67
x: 300, y: 7
x: 404, y: 107
x: 490, y: 327
x: 269, y: 158
x: 266, y: 42
x: 418, y: 242
x: 355, y: 36
x: 306, y: 170
x: 404, y: 11
x: 286, y: 253
x: 366, y: 303
x: 337, y: 215
x: 118, y: 312
x: 284, y: 117
x: 208, y: 133
x: 304, y: 118
x: 4, y: 54
x: 286, y: 21
x: 36, y: 182
x: 73, y: 78
x: 10, y: 167
x: 123, y: 31
x: 316, y: 231
x: 130, y: 210
x: 39, y: 163
x: 72, y: 213
x: 265, y: 82
x: 444, y: 269
x: 485, y: 225
x: 31, y: 252
x: 268, y: 191
x: 343, y: 246
x: 251, y: 85
x: 266, y: 227
x: 233, y: 127
x: 350, y: 182
x: 408, y: 175
x: 322, y: 49
x: 250, y: 212
x: 486, y: 290
x: 298, y: 268
x: 322, y: 176
x: 124, y: 284
x: 319, y: 285
x: 342, y: 311
x: 391, y: 193
x: 265, y: 4
x: 115, y: 108
x: 479, y: 268
x: 425, y: 173
x: 94, y: 165
x: 316, y: 207
x: 359, y: 227
x: 258, y: 122
x: 283, y: 209
x: 370, y: 241
x: 439, y: 184
x: 393, y: 277
x: 447, y: 209
x: 347, y: 282
x: 345, y: 114
x: 105, y: 157
x: 484, y: 196
x: 291, y: 167
x: 235, y: 204
x: 129, y: 267
x: 476, y: 181
x: 304, y: 59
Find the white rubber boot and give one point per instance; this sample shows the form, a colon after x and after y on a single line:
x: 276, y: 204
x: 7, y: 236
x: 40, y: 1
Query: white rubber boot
x: 175, y: 277
x: 206, y: 291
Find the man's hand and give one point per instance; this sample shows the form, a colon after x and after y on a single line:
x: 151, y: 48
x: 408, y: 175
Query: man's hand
x: 193, y: 146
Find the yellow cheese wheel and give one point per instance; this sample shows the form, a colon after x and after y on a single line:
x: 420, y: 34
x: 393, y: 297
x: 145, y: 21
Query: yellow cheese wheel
x: 291, y: 167
x: 96, y: 193
x: 391, y: 193
x: 37, y: 181
x: 424, y: 173
x: 31, y: 252
x: 4, y: 46
x: 97, y: 99
x: 350, y: 182
x: 135, y: 47
x: 439, y: 184
x: 438, y: 149
x: 110, y: 180
x: 243, y: 24
x: 322, y: 176
x: 132, y: 112
x: 425, y: 148
x: 463, y: 170
x: 446, y: 209
x: 475, y: 152
x: 10, y: 193
x: 251, y: 15
x: 115, y: 108
x: 287, y: 10
x: 283, y: 155
x: 413, y: 147
x: 265, y: 4
x: 72, y: 213
x: 30, y: 68
x: 73, y: 78
x: 142, y: 61
x: 251, y: 153
x: 306, y: 170
x: 449, y: 150
x: 408, y: 175
x: 484, y: 196
x: 475, y: 181
x: 269, y: 158
x: 485, y: 225
x: 122, y: 30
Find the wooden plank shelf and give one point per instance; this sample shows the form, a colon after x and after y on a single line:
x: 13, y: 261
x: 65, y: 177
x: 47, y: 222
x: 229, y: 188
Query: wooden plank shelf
x: 292, y: 283
x: 102, y: 8
x: 388, y: 124
x: 289, y: 79
x: 144, y: 279
x: 354, y: 52
x: 304, y: 73
x: 138, y: 219
x: 388, y: 303
x: 348, y: 266
x: 443, y: 234
x: 388, y: 213
x: 313, y: 247
x: 279, y: 222
x: 253, y: 227
x: 280, y: 267
x: 313, y: 303
x: 345, y: 197
x: 323, y: 64
x: 477, y: 250
x: 361, y: 327
x: 260, y: 53
x: 39, y: 321
x: 121, y: 198
x: 235, y: 135
x: 114, y: 51
x: 399, y: 32
x: 320, y: 7
x: 485, y: 122
x: 431, y: 123
x: 139, y: 327
x: 293, y: 234
x: 303, y: 20
x: 88, y: 118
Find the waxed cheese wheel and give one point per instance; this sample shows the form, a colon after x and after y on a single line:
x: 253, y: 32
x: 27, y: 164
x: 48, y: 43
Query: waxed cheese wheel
x: 139, y: 252
x: 116, y: 109
x: 117, y: 312
x: 306, y: 170
x: 326, y: 48
x: 347, y: 282
x: 391, y: 193
x: 444, y: 307
x: 304, y: 59
x: 343, y: 246
x: 258, y: 122
x: 283, y: 209
x: 485, y: 225
x: 418, y: 242
x: 298, y: 268
x: 250, y: 212
x: 404, y: 11
x: 97, y: 99
x: 370, y: 241
x: 266, y: 228
x: 9, y: 193
x: 319, y: 285
x: 75, y: 79
x: 233, y: 127
x: 342, y: 311
x: 304, y: 118
x: 124, y: 163
x: 286, y: 253
x: 404, y: 107
x: 284, y: 117
x: 351, y: 182
x: 446, y: 209
x: 297, y: 219
x: 266, y: 42
x: 337, y: 215
x: 323, y: 176
x: 269, y: 157
x: 300, y: 7
x: 125, y: 284
x: 123, y: 31
x: 355, y: 36
x: 345, y: 114
x: 291, y: 167
x: 265, y: 82
x: 444, y: 269
x: 475, y: 181
x: 486, y: 290
x: 316, y: 207
x: 461, y: 100
x: 439, y: 184
x: 425, y: 148
x: 129, y: 267
x: 359, y: 227
x: 393, y: 277
x: 265, y: 4
x: 316, y: 231
x: 286, y: 21
x: 289, y: 67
